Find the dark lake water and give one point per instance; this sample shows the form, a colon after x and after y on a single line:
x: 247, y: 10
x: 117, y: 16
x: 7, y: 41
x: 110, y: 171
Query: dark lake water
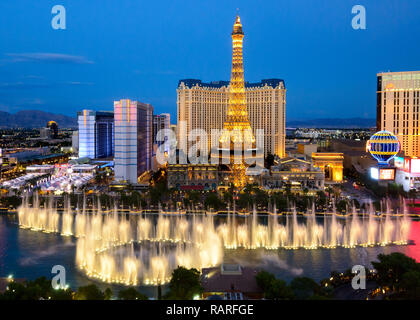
x: 29, y: 254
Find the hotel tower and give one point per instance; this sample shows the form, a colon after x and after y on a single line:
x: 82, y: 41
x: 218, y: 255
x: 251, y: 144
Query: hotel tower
x: 133, y: 139
x: 96, y: 134
x: 205, y: 105
x: 398, y: 103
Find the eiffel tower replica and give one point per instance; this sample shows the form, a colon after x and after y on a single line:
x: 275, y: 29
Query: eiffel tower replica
x: 237, y: 131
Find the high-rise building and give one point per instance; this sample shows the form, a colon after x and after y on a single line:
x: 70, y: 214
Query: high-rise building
x: 96, y: 134
x: 75, y: 141
x: 133, y: 139
x: 398, y: 103
x: 160, y: 122
x: 204, y: 106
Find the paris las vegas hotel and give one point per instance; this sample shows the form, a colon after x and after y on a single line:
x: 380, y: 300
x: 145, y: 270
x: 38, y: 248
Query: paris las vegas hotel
x: 204, y: 105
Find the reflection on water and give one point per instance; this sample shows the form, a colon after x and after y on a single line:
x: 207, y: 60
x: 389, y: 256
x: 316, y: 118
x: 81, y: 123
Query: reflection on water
x: 144, y: 248
x: 28, y: 254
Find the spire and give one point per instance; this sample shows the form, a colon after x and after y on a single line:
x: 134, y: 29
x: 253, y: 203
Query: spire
x: 237, y: 27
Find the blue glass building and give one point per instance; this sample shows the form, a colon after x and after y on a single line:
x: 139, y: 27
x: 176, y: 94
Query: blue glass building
x: 96, y: 134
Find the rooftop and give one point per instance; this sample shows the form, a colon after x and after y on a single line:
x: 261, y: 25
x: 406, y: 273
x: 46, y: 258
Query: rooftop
x: 96, y: 113
x: 229, y: 278
x: 220, y: 84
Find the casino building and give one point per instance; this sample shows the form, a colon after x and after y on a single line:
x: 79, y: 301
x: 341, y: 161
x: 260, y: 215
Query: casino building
x: 133, y: 139
x: 204, y: 105
x: 398, y: 108
x: 296, y: 173
x: 407, y: 172
x: 96, y: 134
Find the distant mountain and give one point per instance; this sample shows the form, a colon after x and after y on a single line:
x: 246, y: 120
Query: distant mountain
x: 34, y: 119
x: 333, y: 123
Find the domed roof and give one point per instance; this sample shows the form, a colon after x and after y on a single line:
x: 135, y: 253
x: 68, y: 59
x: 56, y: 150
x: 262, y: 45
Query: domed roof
x: 51, y: 123
x: 383, y: 146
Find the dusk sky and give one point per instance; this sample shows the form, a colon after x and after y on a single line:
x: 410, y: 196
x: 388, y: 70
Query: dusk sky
x: 114, y: 49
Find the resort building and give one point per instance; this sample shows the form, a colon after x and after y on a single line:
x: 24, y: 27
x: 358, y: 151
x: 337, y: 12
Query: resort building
x: 96, y: 134
x: 75, y: 141
x: 193, y: 177
x: 133, y: 139
x: 204, y: 106
x: 407, y: 173
x: 298, y: 174
x: 160, y: 122
x: 398, y: 108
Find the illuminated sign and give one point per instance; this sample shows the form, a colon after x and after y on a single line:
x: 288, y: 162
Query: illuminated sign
x: 382, y: 174
x: 411, y: 165
x: 415, y: 166
x: 407, y: 164
x: 386, y: 174
x: 374, y: 173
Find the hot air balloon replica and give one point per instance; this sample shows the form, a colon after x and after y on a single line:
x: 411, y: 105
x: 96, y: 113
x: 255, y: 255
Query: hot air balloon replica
x: 383, y: 146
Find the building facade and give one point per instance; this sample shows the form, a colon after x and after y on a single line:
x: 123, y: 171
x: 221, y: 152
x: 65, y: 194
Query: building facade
x: 297, y: 173
x: 193, y: 177
x: 75, y: 141
x: 53, y: 126
x: 398, y: 103
x: 204, y: 106
x: 96, y: 134
x: 331, y: 163
x: 160, y: 122
x: 133, y: 139
x: 407, y: 173
x: 45, y: 133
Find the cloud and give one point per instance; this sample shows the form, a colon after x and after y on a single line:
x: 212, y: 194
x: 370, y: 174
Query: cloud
x: 37, y: 85
x: 48, y: 57
x: 30, y: 101
x: 22, y: 85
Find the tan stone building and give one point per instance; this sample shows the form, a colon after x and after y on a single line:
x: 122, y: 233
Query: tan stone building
x: 331, y: 163
x: 398, y: 108
x: 297, y: 173
x: 204, y: 105
x: 193, y: 177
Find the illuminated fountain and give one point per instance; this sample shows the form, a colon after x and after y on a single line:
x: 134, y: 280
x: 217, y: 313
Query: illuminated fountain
x: 116, y: 253
x: 67, y: 220
x: 144, y: 248
x: 37, y: 218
